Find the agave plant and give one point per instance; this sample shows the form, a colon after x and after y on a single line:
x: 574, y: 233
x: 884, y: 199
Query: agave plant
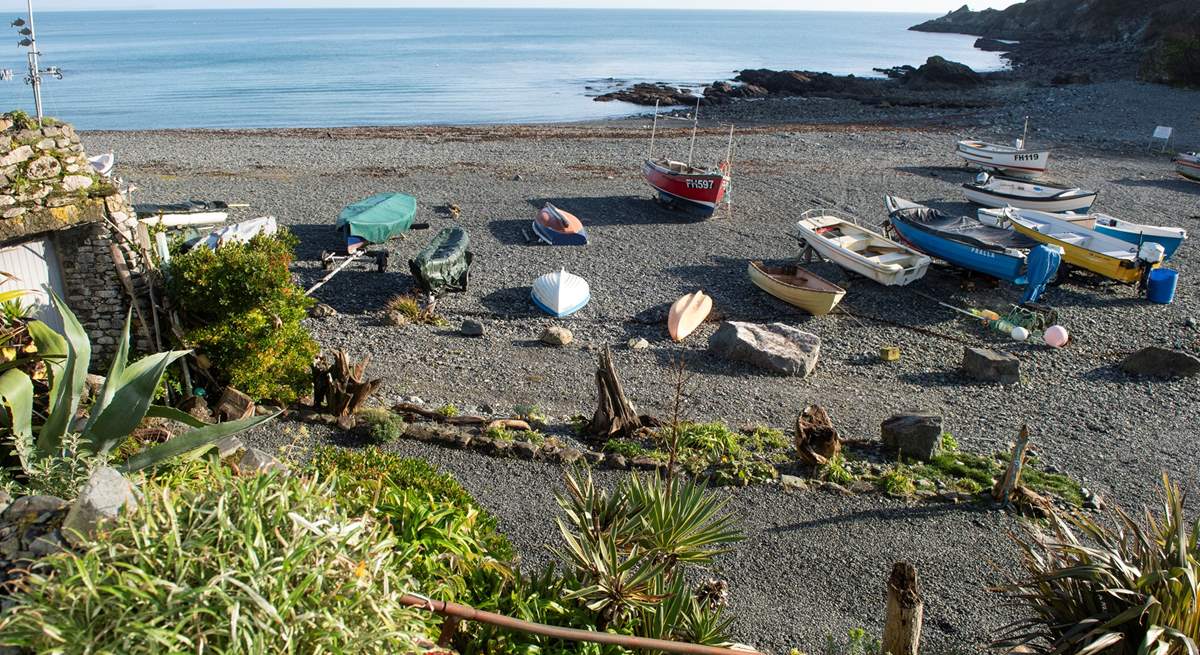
x: 1113, y: 586
x: 125, y: 398
x: 685, y: 523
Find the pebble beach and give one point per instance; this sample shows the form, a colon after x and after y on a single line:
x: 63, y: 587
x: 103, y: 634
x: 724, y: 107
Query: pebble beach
x: 814, y: 563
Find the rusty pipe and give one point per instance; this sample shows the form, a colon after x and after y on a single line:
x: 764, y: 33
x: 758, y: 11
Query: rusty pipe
x: 467, y: 613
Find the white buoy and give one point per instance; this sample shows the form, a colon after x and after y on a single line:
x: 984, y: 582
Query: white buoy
x: 1019, y: 333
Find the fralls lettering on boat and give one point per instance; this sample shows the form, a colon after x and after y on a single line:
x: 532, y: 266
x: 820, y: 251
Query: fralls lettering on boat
x: 983, y: 253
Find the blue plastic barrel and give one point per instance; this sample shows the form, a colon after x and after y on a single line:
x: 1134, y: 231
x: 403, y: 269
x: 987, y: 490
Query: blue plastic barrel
x: 1160, y: 287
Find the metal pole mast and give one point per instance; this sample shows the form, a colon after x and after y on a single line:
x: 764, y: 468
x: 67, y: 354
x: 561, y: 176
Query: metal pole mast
x: 35, y: 76
x: 695, y: 124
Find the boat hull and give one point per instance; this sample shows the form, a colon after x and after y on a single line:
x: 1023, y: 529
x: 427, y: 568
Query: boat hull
x: 814, y: 301
x: 999, y: 265
x: 1169, y: 238
x: 991, y: 199
x: 687, y: 314
x: 1122, y: 269
x: 999, y: 158
x: 698, y: 193
x: 887, y: 275
x: 560, y: 294
x: 1188, y: 166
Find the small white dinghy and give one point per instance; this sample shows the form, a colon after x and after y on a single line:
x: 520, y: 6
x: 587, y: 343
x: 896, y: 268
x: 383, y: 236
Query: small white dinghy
x: 103, y: 164
x: 1015, y: 160
x: 840, y: 239
x: 560, y: 294
x: 998, y: 191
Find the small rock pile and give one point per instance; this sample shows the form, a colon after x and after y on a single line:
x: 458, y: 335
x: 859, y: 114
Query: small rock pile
x: 41, y: 167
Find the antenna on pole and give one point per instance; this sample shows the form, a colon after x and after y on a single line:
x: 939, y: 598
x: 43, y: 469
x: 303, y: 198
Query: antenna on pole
x: 34, y: 77
x: 695, y: 124
x: 653, y: 129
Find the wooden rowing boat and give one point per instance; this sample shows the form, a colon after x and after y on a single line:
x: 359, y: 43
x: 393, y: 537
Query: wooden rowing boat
x: 840, y: 239
x: 687, y: 314
x: 796, y: 286
x: 560, y: 294
x: 998, y: 157
x: 998, y: 191
x: 1086, y: 248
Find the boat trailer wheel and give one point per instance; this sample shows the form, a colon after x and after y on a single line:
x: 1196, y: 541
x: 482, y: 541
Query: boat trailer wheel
x: 381, y: 261
x: 326, y: 259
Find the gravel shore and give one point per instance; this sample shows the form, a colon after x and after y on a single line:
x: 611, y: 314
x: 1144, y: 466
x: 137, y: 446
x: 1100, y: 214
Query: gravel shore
x: 814, y: 563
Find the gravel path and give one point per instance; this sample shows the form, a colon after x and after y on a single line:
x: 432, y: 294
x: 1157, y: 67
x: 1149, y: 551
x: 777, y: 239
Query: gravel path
x: 813, y: 564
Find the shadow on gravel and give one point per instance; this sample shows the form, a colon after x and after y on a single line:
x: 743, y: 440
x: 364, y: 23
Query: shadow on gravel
x: 509, y: 231
x: 616, y: 210
x: 1177, y: 184
x: 950, y: 173
x: 512, y: 302
x: 314, y: 238
x: 922, y: 511
x: 935, y: 378
x: 359, y: 291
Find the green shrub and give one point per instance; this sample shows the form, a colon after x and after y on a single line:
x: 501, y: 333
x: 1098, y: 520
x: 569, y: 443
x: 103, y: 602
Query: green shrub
x: 1114, y: 585
x: 447, y: 411
x: 256, y: 564
x: 244, y: 313
x: 385, y: 426
x: 835, y: 471
x: 896, y: 481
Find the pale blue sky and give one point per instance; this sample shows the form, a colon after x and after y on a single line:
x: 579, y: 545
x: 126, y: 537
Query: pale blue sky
x: 925, y: 6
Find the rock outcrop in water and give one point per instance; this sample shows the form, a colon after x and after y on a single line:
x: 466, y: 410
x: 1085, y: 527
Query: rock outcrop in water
x: 1161, y: 39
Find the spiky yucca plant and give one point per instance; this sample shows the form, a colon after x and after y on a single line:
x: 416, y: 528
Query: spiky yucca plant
x: 1113, y: 586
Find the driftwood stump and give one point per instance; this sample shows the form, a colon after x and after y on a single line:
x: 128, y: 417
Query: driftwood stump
x: 615, y: 416
x: 1008, y: 484
x: 817, y: 441
x: 905, y: 611
x: 339, y: 389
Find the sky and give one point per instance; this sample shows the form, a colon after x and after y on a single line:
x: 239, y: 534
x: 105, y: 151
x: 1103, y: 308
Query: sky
x: 921, y: 6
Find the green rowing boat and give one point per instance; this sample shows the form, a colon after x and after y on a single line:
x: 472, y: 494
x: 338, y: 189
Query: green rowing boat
x: 444, y: 265
x: 377, y: 219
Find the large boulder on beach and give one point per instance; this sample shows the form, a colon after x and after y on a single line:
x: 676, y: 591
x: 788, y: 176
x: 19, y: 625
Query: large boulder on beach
x: 776, y: 347
x: 913, y: 434
x: 987, y: 365
x: 940, y: 73
x: 1158, y: 362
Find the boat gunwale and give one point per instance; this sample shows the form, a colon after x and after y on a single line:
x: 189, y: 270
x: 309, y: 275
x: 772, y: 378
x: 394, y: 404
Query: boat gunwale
x: 765, y: 270
x: 830, y: 250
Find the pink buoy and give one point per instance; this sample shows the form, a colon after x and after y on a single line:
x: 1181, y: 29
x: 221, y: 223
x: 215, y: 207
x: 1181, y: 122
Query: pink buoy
x: 1056, y: 336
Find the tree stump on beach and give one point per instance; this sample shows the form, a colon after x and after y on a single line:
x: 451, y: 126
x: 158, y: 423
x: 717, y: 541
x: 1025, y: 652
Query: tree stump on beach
x: 615, y: 416
x: 817, y: 441
x: 905, y: 611
x: 340, y: 389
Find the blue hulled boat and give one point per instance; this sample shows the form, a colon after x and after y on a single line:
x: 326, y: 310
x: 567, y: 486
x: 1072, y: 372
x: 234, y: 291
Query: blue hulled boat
x: 967, y: 243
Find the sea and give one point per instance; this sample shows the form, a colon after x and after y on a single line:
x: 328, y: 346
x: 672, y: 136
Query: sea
x: 135, y: 70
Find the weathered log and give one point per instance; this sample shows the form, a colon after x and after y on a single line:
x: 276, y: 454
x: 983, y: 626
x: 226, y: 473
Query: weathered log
x: 817, y: 441
x: 615, y: 416
x: 234, y: 405
x: 339, y: 389
x: 905, y: 611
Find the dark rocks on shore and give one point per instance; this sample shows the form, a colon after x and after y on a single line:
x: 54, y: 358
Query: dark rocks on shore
x: 938, y: 73
x: 645, y: 93
x: 992, y: 45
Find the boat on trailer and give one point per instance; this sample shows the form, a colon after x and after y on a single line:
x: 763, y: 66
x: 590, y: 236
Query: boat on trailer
x: 999, y: 191
x: 377, y: 219
x: 1015, y: 159
x: 1187, y: 164
x: 682, y: 185
x: 1086, y: 248
x: 841, y: 239
x: 796, y: 286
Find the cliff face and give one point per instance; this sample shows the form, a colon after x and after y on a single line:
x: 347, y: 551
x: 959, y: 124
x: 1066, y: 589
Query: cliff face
x: 1137, y: 21
x: 1163, y: 35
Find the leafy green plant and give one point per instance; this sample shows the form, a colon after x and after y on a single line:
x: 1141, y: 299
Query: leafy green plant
x: 243, y: 312
x: 14, y: 310
x: 856, y: 642
x: 531, y: 414
x: 896, y: 481
x: 835, y: 471
x: 57, y: 450
x: 447, y: 411
x: 407, y: 308
x: 949, y: 443
x: 1113, y: 585
x: 501, y: 434
x: 21, y: 120
x: 252, y: 564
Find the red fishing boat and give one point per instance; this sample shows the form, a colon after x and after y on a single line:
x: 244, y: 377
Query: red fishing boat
x: 684, y: 186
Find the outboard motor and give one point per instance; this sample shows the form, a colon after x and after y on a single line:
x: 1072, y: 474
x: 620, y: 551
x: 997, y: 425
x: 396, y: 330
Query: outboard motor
x: 983, y: 178
x: 1041, y: 267
x: 1150, y: 254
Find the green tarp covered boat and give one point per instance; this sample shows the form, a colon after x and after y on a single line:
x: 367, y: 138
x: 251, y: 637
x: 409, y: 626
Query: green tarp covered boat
x: 444, y: 264
x: 377, y: 219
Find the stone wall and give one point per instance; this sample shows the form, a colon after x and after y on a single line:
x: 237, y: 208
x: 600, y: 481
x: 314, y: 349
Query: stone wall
x: 48, y: 189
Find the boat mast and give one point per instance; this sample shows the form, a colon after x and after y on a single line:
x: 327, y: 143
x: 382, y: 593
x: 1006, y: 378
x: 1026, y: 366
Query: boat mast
x: 695, y: 124
x: 1025, y: 133
x: 653, y: 129
x: 729, y: 153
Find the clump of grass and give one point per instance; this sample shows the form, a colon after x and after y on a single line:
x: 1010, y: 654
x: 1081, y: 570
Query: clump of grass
x: 835, y: 471
x: 896, y: 481
x: 499, y: 434
x: 763, y: 438
x: 407, y: 308
x: 579, y: 424
x: 949, y: 443
x: 384, y: 425
x: 447, y: 411
x: 531, y: 414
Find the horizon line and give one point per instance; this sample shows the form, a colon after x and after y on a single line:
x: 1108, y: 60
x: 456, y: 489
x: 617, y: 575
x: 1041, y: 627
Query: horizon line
x: 489, y: 7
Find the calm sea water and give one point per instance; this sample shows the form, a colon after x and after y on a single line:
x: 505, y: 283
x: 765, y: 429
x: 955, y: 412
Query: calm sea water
x: 292, y: 68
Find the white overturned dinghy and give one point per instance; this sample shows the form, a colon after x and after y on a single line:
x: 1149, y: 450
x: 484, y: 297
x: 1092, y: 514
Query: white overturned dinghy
x: 560, y: 294
x: 839, y: 238
x: 1015, y: 160
x: 998, y: 191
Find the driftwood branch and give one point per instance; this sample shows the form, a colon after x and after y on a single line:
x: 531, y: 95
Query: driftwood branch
x: 615, y: 415
x: 1010, y: 492
x: 817, y: 441
x: 340, y: 389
